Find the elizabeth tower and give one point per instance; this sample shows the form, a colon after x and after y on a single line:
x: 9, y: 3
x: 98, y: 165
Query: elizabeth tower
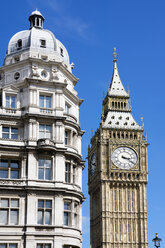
x: 118, y: 174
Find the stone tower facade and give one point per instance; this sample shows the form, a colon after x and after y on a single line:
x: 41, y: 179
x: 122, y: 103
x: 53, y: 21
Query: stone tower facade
x: 118, y: 174
x: 40, y: 143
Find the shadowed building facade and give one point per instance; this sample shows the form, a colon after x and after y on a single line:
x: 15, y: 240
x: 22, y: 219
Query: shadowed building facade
x: 118, y: 174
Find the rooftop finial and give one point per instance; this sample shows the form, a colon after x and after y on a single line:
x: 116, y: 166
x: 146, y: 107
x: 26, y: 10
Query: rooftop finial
x: 114, y: 55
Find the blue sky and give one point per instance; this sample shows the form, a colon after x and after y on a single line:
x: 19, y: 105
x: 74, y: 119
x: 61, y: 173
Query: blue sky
x: 90, y: 30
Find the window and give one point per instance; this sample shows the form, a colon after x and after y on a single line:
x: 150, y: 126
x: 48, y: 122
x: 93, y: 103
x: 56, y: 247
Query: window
x: 61, y: 52
x: 44, y: 74
x: 8, y: 245
x: 17, y: 59
x: 67, y: 108
x: 67, y: 213
x: 67, y: 137
x: 43, y: 246
x: 45, y: 131
x: 67, y: 172
x: 9, y: 133
x: 9, y: 211
x: 44, y: 169
x: 75, y: 213
x: 44, y: 212
x: 74, y: 173
x: 19, y: 44
x: 10, y: 101
x: 43, y: 43
x: 16, y: 75
x: 45, y: 101
x: 71, y: 213
x: 9, y: 169
x: 70, y: 172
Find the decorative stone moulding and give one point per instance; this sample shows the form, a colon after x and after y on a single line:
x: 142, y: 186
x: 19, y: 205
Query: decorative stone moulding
x: 45, y: 142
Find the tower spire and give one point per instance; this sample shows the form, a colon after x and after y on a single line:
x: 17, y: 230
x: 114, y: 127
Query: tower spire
x: 116, y: 87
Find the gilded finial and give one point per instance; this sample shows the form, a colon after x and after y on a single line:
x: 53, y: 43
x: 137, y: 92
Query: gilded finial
x: 91, y: 132
x: 114, y: 55
x: 142, y: 120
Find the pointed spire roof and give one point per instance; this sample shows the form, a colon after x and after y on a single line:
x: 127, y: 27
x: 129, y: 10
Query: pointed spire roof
x: 116, y: 87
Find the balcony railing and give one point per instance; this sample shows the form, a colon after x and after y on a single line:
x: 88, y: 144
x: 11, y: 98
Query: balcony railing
x: 46, y: 110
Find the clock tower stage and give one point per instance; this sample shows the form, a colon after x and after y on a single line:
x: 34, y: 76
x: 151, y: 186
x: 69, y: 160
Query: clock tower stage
x: 118, y: 174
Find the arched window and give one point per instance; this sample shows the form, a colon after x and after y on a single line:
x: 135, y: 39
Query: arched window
x: 19, y: 44
x: 112, y: 104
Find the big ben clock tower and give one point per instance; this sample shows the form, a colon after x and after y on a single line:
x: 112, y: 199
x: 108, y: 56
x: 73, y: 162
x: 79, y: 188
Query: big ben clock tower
x: 118, y: 174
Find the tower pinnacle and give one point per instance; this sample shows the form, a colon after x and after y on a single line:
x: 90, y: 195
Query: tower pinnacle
x: 114, y: 55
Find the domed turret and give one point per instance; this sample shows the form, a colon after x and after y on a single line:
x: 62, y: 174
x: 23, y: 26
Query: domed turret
x: 36, y: 42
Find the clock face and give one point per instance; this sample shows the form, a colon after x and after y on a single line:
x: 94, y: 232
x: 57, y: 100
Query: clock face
x: 124, y: 157
x: 93, y: 164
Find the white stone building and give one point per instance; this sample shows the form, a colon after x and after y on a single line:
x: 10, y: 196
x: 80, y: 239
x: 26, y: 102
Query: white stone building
x: 40, y: 143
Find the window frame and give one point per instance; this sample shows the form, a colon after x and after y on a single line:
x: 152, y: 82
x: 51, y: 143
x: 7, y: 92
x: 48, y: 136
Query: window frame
x: 10, y: 132
x: 9, y: 209
x: 67, y: 108
x: 19, y: 44
x: 44, y: 100
x: 67, y: 213
x: 10, y: 101
x: 67, y: 137
x: 44, y: 210
x: 43, y: 245
x: 9, y: 168
x: 44, y: 167
x: 44, y: 131
x: 8, y: 245
x: 61, y: 52
x: 43, y: 43
x: 70, y: 213
x: 70, y: 171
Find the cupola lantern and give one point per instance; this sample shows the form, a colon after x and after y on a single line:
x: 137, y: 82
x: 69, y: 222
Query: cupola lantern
x: 36, y: 19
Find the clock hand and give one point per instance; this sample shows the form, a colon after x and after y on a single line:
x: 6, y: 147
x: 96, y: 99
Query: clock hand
x: 128, y: 159
x: 125, y: 157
